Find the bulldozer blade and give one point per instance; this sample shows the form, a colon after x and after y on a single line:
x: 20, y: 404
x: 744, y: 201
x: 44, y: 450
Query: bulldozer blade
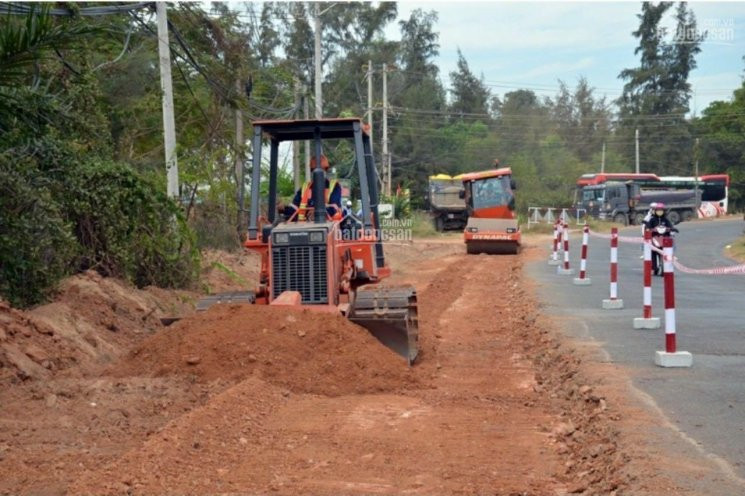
x: 231, y: 297
x: 217, y: 298
x: 492, y: 247
x: 389, y: 314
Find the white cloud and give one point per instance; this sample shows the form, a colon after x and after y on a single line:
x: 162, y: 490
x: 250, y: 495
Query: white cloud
x: 506, y: 26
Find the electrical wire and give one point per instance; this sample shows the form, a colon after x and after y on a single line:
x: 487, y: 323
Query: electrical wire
x: 18, y: 8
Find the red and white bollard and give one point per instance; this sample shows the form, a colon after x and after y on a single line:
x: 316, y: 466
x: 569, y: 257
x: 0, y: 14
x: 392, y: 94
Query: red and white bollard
x: 582, y: 280
x: 646, y: 321
x: 670, y: 357
x: 614, y: 302
x: 554, y: 259
x: 565, y: 270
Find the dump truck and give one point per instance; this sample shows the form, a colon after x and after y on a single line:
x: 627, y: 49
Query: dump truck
x: 628, y: 202
x: 306, y: 260
x: 446, y: 205
x: 492, y: 225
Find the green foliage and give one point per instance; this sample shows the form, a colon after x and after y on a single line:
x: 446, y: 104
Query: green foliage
x: 470, y: 95
x: 62, y: 215
x: 66, y: 206
x: 422, y: 225
x: 36, y: 245
x: 657, y: 93
x: 401, y: 206
x: 213, y: 227
x: 723, y: 143
x: 127, y: 227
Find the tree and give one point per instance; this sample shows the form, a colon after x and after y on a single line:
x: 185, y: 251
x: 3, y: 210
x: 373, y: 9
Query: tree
x: 469, y: 95
x: 722, y: 131
x: 656, y: 94
x: 582, y: 120
x: 419, y: 45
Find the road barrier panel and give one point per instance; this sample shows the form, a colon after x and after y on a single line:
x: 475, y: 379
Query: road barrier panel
x: 582, y: 280
x: 614, y: 302
x: 565, y: 270
x: 671, y: 357
x: 554, y: 259
x: 646, y: 321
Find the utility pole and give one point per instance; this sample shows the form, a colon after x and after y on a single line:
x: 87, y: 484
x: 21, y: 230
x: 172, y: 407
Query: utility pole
x: 239, y: 143
x: 637, y: 150
x: 602, y: 160
x: 696, y: 155
x: 385, y: 159
x: 306, y: 115
x: 296, y: 144
x: 317, y: 60
x: 370, y: 101
x: 169, y: 124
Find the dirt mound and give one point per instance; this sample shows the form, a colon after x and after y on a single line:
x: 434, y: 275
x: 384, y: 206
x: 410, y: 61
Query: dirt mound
x: 92, y: 321
x: 302, y: 350
x: 230, y: 271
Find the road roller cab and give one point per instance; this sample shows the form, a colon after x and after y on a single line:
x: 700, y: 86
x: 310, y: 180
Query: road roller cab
x: 492, y: 224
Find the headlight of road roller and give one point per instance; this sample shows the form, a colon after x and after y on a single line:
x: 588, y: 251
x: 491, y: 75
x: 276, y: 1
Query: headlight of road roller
x: 473, y: 229
x: 281, y: 239
x: 316, y: 237
x: 511, y: 230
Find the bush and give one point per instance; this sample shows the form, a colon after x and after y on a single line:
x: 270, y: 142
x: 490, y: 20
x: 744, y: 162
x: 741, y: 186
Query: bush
x: 127, y: 227
x: 213, y: 227
x: 36, y: 245
x: 61, y: 217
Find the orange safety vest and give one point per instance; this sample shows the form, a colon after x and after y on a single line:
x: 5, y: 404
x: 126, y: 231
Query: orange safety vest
x: 307, y: 193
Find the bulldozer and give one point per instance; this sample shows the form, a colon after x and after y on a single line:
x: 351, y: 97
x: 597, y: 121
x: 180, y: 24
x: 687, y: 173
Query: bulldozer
x: 492, y: 225
x: 318, y: 261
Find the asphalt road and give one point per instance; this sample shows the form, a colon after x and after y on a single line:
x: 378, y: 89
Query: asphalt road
x: 707, y: 401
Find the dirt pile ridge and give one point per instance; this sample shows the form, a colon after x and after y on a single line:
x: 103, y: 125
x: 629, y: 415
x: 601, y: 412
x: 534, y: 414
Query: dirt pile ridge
x: 301, y: 350
x: 92, y: 321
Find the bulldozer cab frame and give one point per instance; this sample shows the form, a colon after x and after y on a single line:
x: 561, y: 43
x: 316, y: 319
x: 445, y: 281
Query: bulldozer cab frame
x: 315, y: 130
x: 310, y: 262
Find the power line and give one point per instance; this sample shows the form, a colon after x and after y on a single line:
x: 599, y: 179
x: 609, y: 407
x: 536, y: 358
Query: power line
x: 18, y: 8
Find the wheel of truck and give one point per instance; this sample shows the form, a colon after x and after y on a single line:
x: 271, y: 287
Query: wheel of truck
x: 621, y: 219
x: 439, y: 224
x: 638, y: 219
x: 472, y: 249
x: 687, y: 215
x: 674, y: 217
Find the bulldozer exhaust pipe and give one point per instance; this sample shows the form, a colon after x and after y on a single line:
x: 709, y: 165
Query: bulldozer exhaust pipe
x: 319, y: 198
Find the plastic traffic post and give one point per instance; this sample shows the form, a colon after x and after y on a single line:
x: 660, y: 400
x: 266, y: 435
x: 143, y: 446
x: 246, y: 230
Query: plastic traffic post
x: 670, y: 357
x: 554, y: 259
x: 614, y: 302
x: 646, y: 321
x: 565, y: 270
x: 582, y: 280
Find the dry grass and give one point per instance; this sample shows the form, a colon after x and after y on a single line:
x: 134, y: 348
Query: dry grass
x: 736, y: 250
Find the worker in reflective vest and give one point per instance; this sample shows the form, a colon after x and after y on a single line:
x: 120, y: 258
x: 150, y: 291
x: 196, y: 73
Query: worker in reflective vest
x: 303, y: 201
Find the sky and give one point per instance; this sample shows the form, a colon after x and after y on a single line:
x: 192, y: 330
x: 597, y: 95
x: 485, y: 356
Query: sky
x: 534, y: 44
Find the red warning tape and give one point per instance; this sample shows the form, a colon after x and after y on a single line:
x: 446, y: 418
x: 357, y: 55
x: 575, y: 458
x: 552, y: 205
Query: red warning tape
x: 623, y: 239
x: 715, y: 271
